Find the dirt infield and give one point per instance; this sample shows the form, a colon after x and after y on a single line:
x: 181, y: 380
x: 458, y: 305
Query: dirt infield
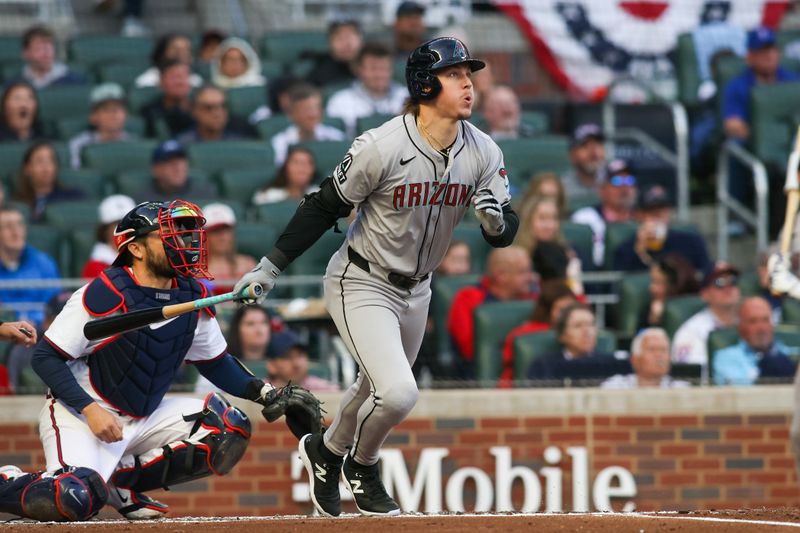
x: 750, y: 521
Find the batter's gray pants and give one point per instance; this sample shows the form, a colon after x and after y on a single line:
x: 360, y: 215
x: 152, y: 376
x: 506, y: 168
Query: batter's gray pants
x: 382, y: 327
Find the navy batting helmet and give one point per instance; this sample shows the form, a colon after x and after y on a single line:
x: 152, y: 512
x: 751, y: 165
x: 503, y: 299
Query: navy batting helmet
x: 435, y: 55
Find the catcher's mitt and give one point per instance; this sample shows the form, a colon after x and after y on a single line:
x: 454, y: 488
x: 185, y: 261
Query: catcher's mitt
x: 302, y: 409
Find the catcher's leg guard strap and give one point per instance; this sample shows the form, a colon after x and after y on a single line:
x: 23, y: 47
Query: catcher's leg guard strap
x: 187, y: 460
x: 69, y: 494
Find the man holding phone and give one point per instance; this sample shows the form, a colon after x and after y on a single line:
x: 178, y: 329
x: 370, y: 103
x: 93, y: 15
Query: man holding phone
x: 655, y: 238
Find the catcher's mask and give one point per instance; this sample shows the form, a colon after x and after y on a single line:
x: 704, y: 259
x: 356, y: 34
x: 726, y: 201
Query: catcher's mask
x: 180, y: 225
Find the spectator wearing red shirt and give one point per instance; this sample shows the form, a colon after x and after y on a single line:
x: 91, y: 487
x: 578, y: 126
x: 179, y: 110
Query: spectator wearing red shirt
x: 508, y: 277
x: 554, y: 296
x: 109, y: 213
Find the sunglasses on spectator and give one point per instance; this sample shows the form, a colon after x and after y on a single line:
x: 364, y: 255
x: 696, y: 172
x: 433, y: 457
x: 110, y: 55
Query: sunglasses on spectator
x: 723, y: 282
x: 622, y: 181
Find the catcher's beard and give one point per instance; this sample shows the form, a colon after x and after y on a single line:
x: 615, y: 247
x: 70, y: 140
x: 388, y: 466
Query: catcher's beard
x: 158, y: 264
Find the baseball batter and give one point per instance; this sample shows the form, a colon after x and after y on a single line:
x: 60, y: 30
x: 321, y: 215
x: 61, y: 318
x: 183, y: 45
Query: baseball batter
x: 783, y: 281
x: 411, y: 180
x: 108, y: 432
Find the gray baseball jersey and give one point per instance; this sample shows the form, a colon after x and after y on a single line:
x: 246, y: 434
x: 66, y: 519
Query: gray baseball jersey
x: 409, y: 198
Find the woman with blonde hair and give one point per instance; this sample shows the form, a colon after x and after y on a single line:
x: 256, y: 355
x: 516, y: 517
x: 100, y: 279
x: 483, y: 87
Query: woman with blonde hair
x: 546, y: 184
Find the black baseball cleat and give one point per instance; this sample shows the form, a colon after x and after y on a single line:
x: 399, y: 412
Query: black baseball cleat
x: 323, y: 477
x: 364, y: 483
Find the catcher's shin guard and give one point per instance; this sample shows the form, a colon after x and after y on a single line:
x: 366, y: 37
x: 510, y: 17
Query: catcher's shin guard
x: 187, y: 460
x: 68, y: 494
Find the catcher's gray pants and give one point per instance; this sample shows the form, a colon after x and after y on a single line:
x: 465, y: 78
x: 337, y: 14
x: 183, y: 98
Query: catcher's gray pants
x: 382, y: 327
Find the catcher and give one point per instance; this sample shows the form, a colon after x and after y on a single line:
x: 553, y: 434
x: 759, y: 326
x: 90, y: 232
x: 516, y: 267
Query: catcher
x: 108, y: 432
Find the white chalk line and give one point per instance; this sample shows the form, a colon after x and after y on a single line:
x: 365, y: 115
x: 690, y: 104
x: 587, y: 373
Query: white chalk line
x: 668, y: 515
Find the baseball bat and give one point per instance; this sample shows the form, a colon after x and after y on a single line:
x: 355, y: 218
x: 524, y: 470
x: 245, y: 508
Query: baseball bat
x: 792, y: 190
x: 114, y: 325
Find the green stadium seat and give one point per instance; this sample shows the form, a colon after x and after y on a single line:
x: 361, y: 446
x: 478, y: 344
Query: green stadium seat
x: 124, y: 74
x: 242, y: 101
x: 241, y: 184
x: 535, y: 121
x: 267, y: 128
x: 110, y: 159
x: 72, y: 214
x: 288, y: 47
x: 314, y: 261
x: 255, y: 239
x: 277, y: 214
x: 444, y: 289
x: 66, y: 128
x: 301, y: 69
x: 60, y: 102
x: 258, y: 368
x: 11, y: 155
x: 327, y: 154
x: 774, y: 116
x: 749, y: 284
x: 132, y: 181
x: 10, y: 48
x: 530, y: 346
x: 11, y: 70
x: 616, y: 234
x: 81, y: 243
x: 93, y: 184
x: 49, y: 239
x: 687, y: 72
x: 634, y: 299
x: 677, y: 310
x: 97, y: 49
x: 272, y: 69
x: 470, y: 233
x: 373, y: 121
x: 218, y: 156
x: 790, y: 309
x: 138, y: 97
x: 538, y: 154
x: 493, y: 322
x: 580, y: 237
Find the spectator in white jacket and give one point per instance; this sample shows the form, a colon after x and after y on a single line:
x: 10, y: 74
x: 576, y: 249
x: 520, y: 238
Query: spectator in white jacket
x: 374, y: 92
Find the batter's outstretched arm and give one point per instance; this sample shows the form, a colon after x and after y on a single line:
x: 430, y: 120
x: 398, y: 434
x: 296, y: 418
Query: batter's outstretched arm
x: 52, y: 367
x: 316, y: 215
x: 507, y: 237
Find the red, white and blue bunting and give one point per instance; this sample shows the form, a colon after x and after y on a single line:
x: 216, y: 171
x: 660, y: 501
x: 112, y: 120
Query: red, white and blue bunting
x: 585, y: 44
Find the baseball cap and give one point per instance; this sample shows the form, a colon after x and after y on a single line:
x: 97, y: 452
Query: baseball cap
x: 720, y: 271
x: 114, y: 207
x: 759, y: 38
x: 219, y: 215
x: 654, y: 197
x: 617, y: 172
x: 282, y: 342
x: 106, y: 92
x: 410, y: 8
x: 586, y: 132
x: 168, y: 150
x: 56, y: 304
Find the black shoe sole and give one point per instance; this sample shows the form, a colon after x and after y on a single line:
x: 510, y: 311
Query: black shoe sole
x: 311, y: 477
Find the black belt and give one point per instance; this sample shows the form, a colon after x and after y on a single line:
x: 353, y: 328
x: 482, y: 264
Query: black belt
x: 398, y: 280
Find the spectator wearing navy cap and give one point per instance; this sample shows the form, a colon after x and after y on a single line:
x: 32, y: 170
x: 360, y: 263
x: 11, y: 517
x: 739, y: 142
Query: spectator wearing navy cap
x: 287, y: 361
x: 587, y: 154
x: 654, y: 238
x: 170, y: 177
x: 617, y: 200
x: 409, y: 28
x: 763, y: 68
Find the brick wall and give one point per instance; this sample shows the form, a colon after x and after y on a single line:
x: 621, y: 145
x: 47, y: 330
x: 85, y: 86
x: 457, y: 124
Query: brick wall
x: 679, y: 461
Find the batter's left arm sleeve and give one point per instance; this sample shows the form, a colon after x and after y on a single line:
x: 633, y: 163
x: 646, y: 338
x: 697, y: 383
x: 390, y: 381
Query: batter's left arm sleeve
x: 507, y: 237
x: 227, y: 373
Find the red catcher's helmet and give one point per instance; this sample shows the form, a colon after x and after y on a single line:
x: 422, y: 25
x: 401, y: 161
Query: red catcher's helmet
x: 181, y: 230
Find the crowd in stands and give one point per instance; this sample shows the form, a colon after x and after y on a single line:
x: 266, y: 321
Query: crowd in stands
x: 218, y: 125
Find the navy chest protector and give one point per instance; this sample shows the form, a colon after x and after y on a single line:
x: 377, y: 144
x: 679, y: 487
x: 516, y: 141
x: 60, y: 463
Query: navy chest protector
x: 133, y: 371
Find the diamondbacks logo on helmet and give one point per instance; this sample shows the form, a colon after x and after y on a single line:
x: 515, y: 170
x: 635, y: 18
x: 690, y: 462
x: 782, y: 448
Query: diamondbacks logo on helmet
x: 430, y: 57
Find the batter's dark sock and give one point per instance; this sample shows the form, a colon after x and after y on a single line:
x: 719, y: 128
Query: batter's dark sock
x: 328, y: 455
